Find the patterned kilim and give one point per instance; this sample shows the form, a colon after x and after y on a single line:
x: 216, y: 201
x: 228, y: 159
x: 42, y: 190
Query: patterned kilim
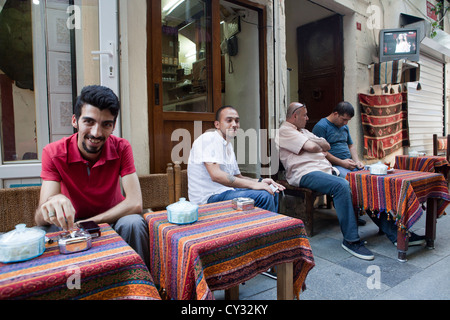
x: 385, y: 125
x: 399, y: 193
x: 389, y: 72
x: 224, y: 248
x: 110, y: 269
x: 393, y: 72
x: 425, y: 164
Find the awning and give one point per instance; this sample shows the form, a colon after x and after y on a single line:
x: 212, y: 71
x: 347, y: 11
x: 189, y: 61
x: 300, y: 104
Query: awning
x: 438, y: 47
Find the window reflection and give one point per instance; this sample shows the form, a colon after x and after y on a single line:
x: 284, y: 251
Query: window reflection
x: 17, y: 101
x: 184, y: 55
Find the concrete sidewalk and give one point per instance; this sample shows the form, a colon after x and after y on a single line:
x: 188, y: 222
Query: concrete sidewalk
x: 339, y: 275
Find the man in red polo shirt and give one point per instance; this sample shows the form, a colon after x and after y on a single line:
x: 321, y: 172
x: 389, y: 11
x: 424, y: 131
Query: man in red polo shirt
x: 81, y: 174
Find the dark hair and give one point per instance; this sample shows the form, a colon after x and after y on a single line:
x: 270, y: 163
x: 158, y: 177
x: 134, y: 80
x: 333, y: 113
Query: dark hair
x: 343, y: 108
x: 98, y: 96
x: 219, y: 111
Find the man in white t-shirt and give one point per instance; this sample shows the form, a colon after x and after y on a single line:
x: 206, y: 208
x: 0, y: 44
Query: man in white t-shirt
x: 213, y: 172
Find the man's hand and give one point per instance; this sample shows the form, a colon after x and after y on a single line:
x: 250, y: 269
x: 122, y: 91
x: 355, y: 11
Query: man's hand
x: 265, y: 185
x: 348, y: 164
x: 58, y: 210
x: 359, y: 165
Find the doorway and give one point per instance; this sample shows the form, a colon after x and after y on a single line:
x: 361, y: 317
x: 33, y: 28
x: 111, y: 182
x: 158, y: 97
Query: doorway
x: 320, y: 61
x: 197, y: 56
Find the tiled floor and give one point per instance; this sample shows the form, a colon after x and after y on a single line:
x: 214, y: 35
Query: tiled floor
x: 339, y: 275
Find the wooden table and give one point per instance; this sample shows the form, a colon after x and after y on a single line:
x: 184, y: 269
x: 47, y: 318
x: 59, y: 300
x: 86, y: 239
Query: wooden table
x: 224, y: 248
x: 401, y: 194
x: 110, y: 269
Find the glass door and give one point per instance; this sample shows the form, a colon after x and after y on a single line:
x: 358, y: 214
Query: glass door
x: 184, y: 76
x: 185, y: 49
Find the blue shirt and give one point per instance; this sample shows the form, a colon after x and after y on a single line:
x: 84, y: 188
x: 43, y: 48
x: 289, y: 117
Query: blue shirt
x: 338, y: 138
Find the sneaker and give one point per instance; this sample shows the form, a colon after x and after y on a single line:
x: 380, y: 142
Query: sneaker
x: 414, y: 240
x: 361, y: 222
x: 358, y: 250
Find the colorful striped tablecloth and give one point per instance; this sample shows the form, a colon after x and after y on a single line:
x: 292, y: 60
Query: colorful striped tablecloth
x: 110, y: 269
x: 400, y: 193
x: 425, y: 163
x: 224, y: 248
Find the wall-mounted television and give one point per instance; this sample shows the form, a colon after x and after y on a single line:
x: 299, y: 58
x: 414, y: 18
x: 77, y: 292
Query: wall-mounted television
x: 400, y: 43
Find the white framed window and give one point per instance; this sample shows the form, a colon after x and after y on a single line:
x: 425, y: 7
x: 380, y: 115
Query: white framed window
x: 23, y: 104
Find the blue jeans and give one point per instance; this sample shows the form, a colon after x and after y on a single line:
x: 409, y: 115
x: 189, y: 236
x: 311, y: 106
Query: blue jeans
x: 385, y: 225
x: 263, y: 199
x: 343, y: 171
x: 339, y: 189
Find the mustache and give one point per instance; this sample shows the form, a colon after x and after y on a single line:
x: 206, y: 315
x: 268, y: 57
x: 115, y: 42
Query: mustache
x: 89, y: 136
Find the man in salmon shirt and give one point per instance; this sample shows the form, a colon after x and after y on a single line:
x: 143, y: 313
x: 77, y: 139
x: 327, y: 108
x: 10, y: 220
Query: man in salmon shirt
x: 82, y: 174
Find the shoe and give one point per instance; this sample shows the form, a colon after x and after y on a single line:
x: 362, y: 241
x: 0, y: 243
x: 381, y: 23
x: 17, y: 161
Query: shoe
x: 361, y: 222
x: 414, y: 240
x: 271, y: 273
x: 358, y: 250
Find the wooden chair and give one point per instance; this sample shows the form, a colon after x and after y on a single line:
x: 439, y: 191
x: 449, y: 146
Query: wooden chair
x: 157, y: 189
x: 18, y: 205
x: 440, y: 146
x: 181, y: 182
x: 298, y: 202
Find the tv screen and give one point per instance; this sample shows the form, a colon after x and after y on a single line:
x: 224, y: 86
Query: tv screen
x: 399, y: 44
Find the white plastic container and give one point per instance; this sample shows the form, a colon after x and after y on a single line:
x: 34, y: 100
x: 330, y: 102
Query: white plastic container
x: 182, y: 212
x: 378, y: 169
x: 22, y: 244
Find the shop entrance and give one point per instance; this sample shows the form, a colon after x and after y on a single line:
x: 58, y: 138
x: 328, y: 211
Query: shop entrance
x: 197, y: 62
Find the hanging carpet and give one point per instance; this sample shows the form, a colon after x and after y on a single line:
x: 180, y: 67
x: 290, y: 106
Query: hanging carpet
x: 393, y: 72
x: 385, y: 124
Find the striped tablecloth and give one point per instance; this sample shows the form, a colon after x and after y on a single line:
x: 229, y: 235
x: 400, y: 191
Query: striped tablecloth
x: 110, y: 269
x: 401, y: 193
x: 425, y: 163
x: 224, y: 248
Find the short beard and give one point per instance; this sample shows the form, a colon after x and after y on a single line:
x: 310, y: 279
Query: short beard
x: 90, y: 150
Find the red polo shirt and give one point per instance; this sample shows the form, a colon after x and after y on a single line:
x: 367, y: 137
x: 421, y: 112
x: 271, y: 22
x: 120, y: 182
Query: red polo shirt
x: 95, y: 189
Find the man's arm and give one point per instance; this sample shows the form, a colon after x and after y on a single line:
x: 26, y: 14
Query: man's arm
x: 238, y: 181
x: 354, y: 154
x: 130, y: 205
x: 51, y: 202
x: 316, y: 145
x: 345, y: 163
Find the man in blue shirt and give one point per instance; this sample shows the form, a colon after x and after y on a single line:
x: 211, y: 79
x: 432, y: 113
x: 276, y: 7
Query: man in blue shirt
x: 343, y: 154
x: 344, y: 157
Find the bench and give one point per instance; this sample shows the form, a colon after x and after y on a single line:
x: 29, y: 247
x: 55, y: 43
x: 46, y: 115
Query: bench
x: 157, y: 189
x: 17, y: 205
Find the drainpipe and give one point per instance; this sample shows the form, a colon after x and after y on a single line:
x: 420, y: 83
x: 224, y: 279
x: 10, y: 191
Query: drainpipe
x: 274, y: 13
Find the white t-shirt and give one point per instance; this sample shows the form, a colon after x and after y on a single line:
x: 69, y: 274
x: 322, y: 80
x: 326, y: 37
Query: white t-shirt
x: 209, y: 147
